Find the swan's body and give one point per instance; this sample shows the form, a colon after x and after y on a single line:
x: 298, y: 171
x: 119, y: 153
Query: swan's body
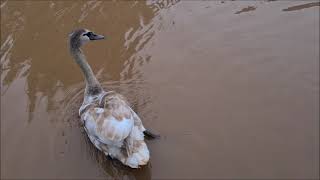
x: 114, y: 128
x: 111, y: 125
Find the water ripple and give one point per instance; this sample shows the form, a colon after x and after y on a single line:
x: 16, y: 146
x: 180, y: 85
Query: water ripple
x: 4, y: 52
x: 87, y: 8
x: 3, y: 4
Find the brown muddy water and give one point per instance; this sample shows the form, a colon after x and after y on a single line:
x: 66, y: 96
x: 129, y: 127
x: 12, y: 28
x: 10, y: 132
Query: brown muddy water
x: 232, y: 87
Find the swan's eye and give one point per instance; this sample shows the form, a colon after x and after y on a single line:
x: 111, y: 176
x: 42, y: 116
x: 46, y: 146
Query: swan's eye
x: 88, y: 34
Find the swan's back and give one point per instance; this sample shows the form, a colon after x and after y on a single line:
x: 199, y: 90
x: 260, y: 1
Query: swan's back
x: 114, y: 128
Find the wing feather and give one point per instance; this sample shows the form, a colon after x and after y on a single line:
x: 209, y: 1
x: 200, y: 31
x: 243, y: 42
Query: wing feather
x: 111, y: 123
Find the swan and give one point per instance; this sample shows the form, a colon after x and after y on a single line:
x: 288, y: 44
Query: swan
x: 110, y: 123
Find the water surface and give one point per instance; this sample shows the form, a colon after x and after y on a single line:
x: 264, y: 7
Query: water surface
x: 232, y: 86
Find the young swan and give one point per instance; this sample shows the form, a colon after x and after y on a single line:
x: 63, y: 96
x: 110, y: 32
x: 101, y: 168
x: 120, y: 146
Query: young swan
x: 112, y: 126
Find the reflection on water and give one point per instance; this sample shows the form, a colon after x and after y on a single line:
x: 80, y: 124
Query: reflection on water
x: 162, y: 4
x: 34, y: 54
x: 303, y: 6
x: 49, y: 78
x: 221, y: 88
x: 247, y: 9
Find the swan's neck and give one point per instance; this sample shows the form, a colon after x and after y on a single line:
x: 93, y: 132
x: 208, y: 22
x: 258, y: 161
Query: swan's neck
x: 93, y: 86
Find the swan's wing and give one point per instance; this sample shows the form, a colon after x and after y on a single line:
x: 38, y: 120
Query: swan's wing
x: 137, y: 150
x: 146, y: 131
x: 117, y: 125
x: 111, y: 123
x: 137, y: 121
x: 112, y: 99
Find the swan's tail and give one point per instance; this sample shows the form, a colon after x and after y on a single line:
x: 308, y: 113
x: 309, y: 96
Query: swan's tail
x: 150, y: 134
x: 137, y: 150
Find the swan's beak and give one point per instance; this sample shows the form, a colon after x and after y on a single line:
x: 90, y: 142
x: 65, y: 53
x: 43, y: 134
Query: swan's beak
x: 96, y: 37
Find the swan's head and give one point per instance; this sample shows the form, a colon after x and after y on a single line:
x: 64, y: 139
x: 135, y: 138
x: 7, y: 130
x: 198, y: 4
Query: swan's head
x: 80, y: 37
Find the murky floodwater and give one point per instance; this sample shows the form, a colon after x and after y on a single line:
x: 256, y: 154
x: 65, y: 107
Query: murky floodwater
x: 232, y: 87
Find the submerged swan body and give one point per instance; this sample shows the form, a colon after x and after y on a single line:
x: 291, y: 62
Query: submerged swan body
x: 111, y: 125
